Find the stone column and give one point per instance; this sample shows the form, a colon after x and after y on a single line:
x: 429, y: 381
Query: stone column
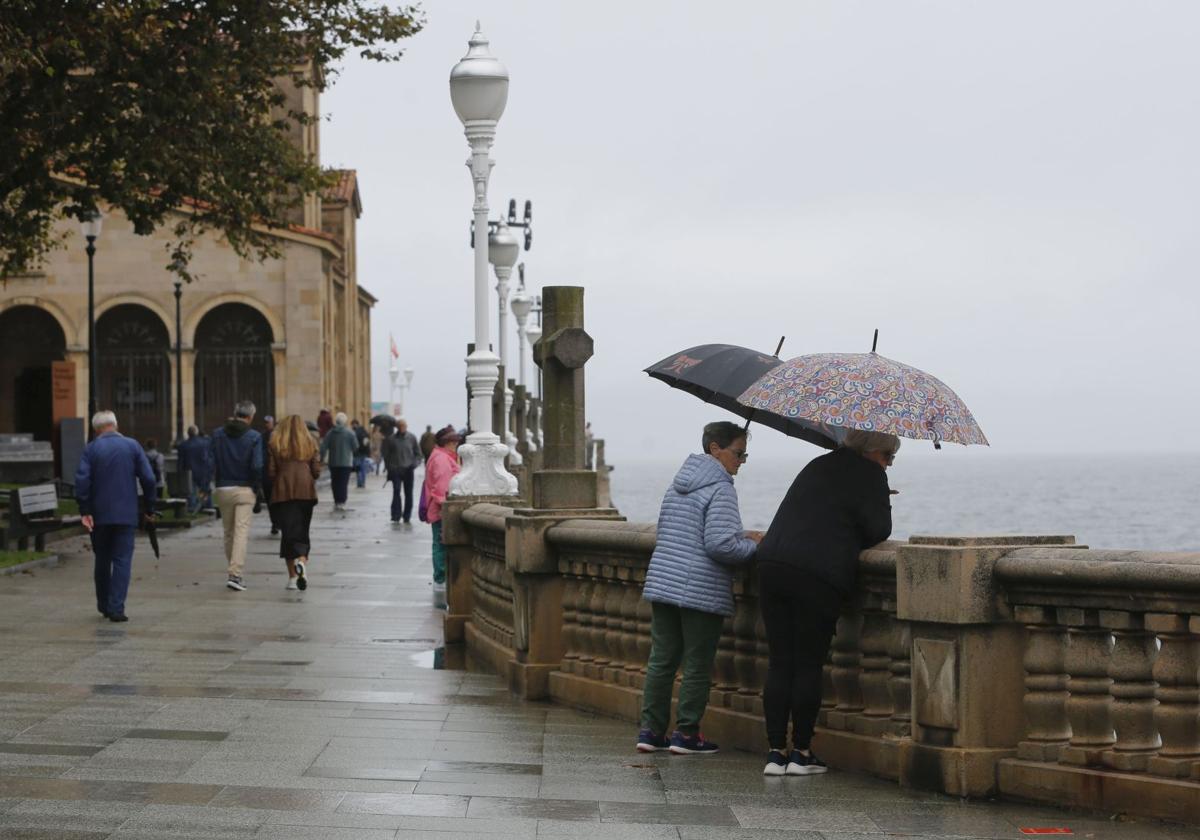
x: 1089, y: 702
x: 1047, y: 729
x: 1131, y: 670
x: 1177, y: 716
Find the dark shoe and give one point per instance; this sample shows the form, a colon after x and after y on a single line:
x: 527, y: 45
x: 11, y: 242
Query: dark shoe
x: 800, y: 764
x: 301, y: 580
x: 777, y: 764
x: 648, y: 742
x: 235, y: 583
x: 118, y: 617
x: 274, y: 532
x: 691, y: 744
x: 102, y: 612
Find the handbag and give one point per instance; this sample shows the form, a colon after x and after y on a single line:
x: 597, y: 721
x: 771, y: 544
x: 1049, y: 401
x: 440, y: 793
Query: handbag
x: 423, y: 505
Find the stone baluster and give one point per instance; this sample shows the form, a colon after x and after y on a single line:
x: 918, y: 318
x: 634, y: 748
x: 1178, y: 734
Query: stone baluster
x: 761, y: 661
x: 1047, y: 728
x: 1177, y: 716
x: 612, y: 632
x: 828, y: 691
x: 631, y: 594
x: 1089, y: 688
x: 724, y: 671
x: 583, y: 620
x: 1132, y: 671
x: 846, y: 661
x: 900, y: 673
x: 571, y: 622
x: 643, y: 639
x: 745, y: 654
x: 598, y: 627
x: 876, y: 670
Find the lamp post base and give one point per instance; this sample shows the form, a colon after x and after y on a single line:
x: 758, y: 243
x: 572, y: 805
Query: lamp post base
x: 483, y: 472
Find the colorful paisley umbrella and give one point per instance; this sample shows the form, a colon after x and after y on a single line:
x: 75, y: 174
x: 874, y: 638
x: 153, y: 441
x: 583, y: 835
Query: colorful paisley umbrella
x: 835, y: 392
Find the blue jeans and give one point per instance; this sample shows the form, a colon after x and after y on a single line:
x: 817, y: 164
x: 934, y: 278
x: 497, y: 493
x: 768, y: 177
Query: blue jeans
x: 361, y: 465
x: 113, y: 547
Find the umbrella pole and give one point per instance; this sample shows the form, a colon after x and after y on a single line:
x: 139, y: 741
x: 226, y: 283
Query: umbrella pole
x: 778, y: 347
x: 875, y: 340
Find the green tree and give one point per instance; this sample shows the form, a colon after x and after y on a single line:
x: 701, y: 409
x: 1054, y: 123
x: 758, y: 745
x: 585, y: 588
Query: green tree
x: 153, y: 105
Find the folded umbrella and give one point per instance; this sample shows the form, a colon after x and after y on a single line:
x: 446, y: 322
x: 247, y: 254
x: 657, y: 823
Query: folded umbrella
x: 836, y: 392
x: 719, y: 373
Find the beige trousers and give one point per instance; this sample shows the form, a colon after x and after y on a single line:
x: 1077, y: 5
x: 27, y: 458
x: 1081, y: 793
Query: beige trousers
x: 235, y: 504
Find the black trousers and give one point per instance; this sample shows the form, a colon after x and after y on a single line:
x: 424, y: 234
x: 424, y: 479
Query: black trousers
x: 339, y: 479
x: 293, y: 519
x: 800, y: 613
x: 402, y: 479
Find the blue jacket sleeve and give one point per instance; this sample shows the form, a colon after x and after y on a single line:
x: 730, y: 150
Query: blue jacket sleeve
x: 723, y: 538
x: 83, y: 483
x: 212, y: 457
x: 145, y: 476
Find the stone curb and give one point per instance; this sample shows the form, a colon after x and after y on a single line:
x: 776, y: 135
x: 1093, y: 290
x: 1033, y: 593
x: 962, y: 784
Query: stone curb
x: 41, y: 563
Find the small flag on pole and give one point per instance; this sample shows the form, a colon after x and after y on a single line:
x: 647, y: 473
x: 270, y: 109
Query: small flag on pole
x: 395, y: 351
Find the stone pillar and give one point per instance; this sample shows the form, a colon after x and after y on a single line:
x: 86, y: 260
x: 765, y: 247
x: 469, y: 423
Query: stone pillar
x: 968, y: 668
x: 1177, y: 716
x: 1131, y: 670
x: 1089, y: 702
x: 1047, y: 729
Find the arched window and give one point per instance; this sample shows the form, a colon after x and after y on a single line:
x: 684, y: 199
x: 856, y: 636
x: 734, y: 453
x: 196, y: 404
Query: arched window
x: 30, y: 339
x: 233, y: 363
x: 133, y: 370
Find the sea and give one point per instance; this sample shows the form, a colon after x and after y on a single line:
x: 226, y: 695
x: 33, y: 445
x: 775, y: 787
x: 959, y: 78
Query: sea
x: 1147, y: 502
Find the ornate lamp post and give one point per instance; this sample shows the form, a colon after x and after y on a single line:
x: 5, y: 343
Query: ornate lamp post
x: 533, y: 332
x: 404, y: 386
x: 503, y: 248
x: 522, y: 303
x: 394, y: 373
x: 178, y: 361
x: 479, y: 92
x: 90, y: 228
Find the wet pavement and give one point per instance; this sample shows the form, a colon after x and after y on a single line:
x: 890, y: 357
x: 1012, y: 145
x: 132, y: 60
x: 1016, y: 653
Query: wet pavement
x: 335, y: 713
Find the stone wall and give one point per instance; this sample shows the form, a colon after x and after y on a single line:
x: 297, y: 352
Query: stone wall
x: 1025, y: 667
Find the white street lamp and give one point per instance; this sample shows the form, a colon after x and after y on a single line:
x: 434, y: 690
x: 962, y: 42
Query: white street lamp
x: 533, y: 332
x: 479, y: 92
x: 408, y: 378
x: 503, y: 248
x: 394, y: 373
x: 522, y: 303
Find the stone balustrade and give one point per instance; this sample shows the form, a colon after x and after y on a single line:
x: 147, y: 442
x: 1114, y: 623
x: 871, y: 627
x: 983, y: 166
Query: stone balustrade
x: 979, y: 666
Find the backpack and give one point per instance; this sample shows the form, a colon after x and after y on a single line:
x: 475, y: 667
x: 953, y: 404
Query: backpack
x: 423, y: 505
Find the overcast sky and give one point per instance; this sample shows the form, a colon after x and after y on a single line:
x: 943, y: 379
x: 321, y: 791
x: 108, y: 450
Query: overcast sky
x: 1008, y: 190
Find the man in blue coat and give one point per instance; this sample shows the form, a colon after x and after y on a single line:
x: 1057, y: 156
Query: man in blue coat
x: 106, y: 488
x: 195, y: 456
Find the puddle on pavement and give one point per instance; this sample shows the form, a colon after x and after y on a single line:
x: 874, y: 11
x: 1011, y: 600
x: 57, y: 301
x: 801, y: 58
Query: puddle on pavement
x: 447, y: 658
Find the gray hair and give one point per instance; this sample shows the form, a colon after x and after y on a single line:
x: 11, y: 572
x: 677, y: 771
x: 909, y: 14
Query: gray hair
x: 193, y: 431
x: 340, y: 419
x: 104, y: 418
x: 244, y: 409
x: 723, y: 434
x: 862, y: 442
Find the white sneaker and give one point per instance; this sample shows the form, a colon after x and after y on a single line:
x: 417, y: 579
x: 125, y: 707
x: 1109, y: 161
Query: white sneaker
x: 301, y: 580
x: 291, y: 584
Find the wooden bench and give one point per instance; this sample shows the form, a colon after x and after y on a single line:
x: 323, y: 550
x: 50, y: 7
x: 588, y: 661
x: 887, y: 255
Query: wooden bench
x: 32, y: 512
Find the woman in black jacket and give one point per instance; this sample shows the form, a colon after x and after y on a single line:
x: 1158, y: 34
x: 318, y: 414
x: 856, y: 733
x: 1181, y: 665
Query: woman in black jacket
x: 838, y: 505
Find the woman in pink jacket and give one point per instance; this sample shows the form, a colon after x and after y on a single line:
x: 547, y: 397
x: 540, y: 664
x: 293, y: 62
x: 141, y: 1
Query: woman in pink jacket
x: 441, y: 467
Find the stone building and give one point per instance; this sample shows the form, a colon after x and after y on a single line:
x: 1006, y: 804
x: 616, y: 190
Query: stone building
x: 292, y: 333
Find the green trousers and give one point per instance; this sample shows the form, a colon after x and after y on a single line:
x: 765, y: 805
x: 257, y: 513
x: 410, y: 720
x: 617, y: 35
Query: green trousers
x: 679, y: 636
x: 439, y: 554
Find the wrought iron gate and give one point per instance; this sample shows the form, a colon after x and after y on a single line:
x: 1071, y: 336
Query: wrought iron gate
x: 134, y: 371
x: 233, y: 362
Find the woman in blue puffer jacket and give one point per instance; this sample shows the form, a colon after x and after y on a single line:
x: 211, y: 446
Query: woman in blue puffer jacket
x: 690, y: 588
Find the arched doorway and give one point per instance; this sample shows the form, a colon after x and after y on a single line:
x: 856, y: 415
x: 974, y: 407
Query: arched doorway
x: 133, y: 371
x: 233, y: 362
x: 30, y: 339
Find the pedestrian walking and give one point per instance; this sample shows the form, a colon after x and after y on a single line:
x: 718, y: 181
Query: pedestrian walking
x: 268, y: 430
x: 324, y: 422
x: 376, y: 449
x: 362, y: 452
x: 337, y: 450
x: 195, y: 457
x: 107, y: 482
x: 237, y: 466
x: 157, y: 463
x: 428, y: 443
x: 838, y: 505
x: 689, y: 585
x: 402, y: 453
x: 294, y: 465
x: 441, y: 467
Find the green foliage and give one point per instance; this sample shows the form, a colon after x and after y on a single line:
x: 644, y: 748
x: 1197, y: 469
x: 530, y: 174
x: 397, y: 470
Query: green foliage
x: 15, y: 558
x: 153, y: 105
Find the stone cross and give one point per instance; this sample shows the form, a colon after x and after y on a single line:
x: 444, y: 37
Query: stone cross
x: 561, y: 353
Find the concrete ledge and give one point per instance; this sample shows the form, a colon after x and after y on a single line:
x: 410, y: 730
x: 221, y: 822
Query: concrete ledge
x: 40, y: 563
x: 958, y: 771
x: 1130, y: 793
x: 489, y: 653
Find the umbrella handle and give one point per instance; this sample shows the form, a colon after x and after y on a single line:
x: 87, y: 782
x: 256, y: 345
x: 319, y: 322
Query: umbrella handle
x: 778, y: 347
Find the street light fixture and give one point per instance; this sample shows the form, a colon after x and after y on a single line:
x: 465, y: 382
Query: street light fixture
x: 394, y: 373
x: 479, y: 92
x: 404, y: 386
x: 90, y: 228
x: 503, y: 250
x: 521, y: 304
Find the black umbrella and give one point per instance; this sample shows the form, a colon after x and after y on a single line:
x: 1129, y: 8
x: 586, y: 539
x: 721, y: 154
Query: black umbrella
x: 150, y: 526
x: 720, y: 373
x: 383, y: 421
